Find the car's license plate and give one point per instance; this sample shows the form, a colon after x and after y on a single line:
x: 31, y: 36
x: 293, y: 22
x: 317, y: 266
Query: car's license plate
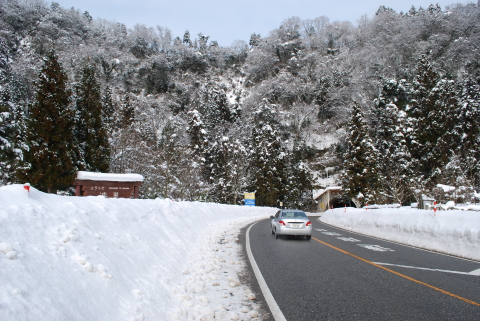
x: 296, y: 225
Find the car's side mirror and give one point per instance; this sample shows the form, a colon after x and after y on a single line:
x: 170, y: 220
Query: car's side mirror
x: 272, y: 217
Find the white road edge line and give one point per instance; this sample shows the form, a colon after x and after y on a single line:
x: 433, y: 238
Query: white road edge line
x: 272, y: 304
x: 476, y: 272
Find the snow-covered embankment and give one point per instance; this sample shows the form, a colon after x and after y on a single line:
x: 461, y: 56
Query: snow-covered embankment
x: 93, y: 258
x: 452, y: 232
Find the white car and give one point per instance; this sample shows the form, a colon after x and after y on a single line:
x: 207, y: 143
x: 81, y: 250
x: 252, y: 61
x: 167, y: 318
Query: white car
x: 291, y: 222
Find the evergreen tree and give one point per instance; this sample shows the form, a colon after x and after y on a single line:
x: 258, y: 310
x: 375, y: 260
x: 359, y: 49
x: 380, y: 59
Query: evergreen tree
x: 91, y: 134
x: 359, y: 176
x: 198, y: 134
x: 422, y: 113
x: 49, y: 160
x: 186, y: 38
x: 229, y: 163
x: 215, y: 107
x: 389, y: 132
x: 297, y: 179
x: 7, y: 125
x: 435, y: 134
x: 7, y: 133
x: 127, y: 116
x: 267, y: 157
x: 170, y: 161
x: 469, y: 123
x: 108, y: 110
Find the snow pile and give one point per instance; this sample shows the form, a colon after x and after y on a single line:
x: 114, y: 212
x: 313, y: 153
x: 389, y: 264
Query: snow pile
x: 93, y: 258
x: 453, y: 232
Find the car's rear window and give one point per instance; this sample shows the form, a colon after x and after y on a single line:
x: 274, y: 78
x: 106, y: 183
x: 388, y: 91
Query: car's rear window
x: 294, y: 214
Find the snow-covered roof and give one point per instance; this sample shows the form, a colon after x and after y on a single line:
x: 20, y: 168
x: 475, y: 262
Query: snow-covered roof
x: 446, y: 188
x: 320, y: 192
x: 112, y: 177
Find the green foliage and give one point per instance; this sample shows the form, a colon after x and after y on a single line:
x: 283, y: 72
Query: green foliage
x: 91, y: 133
x: 360, y: 179
x: 49, y: 160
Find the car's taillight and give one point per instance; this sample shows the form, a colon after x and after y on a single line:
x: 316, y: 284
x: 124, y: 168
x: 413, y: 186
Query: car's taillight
x: 309, y: 223
x: 281, y: 222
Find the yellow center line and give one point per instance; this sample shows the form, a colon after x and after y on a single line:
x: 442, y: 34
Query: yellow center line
x: 399, y: 274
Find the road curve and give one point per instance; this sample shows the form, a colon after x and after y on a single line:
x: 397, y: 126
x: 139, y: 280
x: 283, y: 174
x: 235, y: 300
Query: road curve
x: 339, y: 275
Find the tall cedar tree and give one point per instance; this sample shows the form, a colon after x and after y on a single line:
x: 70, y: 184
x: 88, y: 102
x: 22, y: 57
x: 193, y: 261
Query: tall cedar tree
x: 91, y: 134
x: 435, y: 128
x: 49, y: 160
x: 422, y: 111
x: 297, y: 180
x: 389, y: 133
x: 12, y: 121
x: 267, y: 158
x: 359, y: 176
x: 469, y: 120
x: 108, y: 109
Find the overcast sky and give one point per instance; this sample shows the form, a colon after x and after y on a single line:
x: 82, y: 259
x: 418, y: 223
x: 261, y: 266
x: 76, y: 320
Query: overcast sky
x: 227, y: 21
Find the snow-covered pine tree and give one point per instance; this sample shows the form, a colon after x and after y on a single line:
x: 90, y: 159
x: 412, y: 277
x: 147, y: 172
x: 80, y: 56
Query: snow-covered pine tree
x: 435, y: 132
x: 186, y: 38
x: 198, y: 134
x: 359, y: 175
x: 389, y: 132
x: 170, y: 159
x: 469, y: 123
x: 445, y: 125
x: 297, y: 179
x: 422, y: 112
x: 91, y: 133
x: 127, y: 112
x: 108, y: 109
x: 227, y: 169
x: 49, y: 160
x: 215, y: 107
x: 267, y: 158
x: 11, y: 119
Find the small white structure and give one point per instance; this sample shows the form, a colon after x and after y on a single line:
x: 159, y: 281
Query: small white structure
x: 324, y: 197
x: 425, y: 202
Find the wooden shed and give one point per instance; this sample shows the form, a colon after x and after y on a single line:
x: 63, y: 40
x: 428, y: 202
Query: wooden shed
x: 107, y: 184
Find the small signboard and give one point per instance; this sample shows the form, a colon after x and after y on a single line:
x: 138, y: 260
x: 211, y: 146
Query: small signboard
x: 249, y: 199
x: 107, y: 184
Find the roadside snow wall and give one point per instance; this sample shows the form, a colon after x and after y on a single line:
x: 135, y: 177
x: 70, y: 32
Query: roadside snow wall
x: 452, y: 232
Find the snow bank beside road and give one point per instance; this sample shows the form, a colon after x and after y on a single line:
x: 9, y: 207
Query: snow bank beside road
x: 93, y: 258
x: 453, y: 232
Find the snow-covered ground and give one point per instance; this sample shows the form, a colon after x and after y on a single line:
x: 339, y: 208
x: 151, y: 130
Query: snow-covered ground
x: 455, y: 232
x: 93, y: 258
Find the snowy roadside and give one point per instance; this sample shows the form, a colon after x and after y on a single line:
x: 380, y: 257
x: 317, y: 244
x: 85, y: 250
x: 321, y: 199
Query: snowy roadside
x: 453, y: 232
x: 94, y: 258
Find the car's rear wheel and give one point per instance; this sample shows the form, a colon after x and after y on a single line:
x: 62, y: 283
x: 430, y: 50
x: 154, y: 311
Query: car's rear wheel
x: 309, y: 237
x: 276, y: 234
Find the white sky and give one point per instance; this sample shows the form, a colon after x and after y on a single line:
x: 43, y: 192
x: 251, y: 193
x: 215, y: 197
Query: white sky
x: 227, y: 21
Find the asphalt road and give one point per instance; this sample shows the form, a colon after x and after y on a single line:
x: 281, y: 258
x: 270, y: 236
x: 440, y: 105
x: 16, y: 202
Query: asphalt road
x: 339, y: 275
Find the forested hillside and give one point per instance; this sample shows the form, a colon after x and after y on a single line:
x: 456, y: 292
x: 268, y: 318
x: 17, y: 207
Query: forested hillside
x: 390, y: 106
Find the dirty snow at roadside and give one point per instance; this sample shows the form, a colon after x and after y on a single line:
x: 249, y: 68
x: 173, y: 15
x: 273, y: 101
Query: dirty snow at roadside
x: 455, y: 232
x: 93, y: 258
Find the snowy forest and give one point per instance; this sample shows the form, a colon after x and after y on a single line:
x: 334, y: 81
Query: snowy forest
x: 387, y: 108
